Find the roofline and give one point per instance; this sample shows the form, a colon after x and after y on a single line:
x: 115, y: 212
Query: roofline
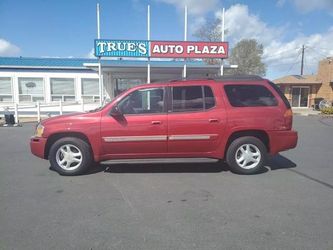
x: 39, y: 67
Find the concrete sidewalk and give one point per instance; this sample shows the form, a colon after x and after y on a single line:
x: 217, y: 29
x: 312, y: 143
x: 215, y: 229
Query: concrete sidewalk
x: 305, y: 111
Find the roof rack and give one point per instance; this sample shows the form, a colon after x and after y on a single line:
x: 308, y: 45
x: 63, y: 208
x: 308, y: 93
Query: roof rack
x: 222, y: 78
x: 217, y: 78
x: 238, y: 78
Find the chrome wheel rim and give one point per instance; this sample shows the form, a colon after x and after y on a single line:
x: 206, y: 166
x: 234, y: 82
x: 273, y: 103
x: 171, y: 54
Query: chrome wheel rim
x: 69, y: 157
x: 248, y: 156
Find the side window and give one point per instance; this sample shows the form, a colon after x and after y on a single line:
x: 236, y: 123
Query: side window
x: 192, y: 98
x: 143, y: 101
x: 209, y: 98
x: 249, y: 96
x: 187, y: 98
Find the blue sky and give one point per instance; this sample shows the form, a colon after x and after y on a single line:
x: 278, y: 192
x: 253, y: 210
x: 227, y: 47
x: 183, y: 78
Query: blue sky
x: 67, y: 28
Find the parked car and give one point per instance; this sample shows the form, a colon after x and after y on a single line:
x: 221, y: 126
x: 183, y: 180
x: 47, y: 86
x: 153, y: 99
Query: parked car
x: 236, y: 119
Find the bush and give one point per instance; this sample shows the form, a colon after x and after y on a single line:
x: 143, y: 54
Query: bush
x: 327, y: 111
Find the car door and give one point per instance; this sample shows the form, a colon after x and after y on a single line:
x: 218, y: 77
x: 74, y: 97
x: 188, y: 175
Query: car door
x: 195, y: 124
x: 140, y: 128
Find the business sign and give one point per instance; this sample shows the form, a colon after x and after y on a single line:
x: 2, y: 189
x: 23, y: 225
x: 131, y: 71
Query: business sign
x: 160, y: 49
x: 121, y: 48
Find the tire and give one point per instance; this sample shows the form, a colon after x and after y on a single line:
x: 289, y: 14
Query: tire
x: 70, y: 156
x: 241, y: 161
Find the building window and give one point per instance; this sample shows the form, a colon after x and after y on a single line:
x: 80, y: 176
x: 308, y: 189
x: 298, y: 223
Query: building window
x: 31, y: 89
x: 6, y: 89
x: 90, y: 89
x: 62, y: 89
x: 123, y: 84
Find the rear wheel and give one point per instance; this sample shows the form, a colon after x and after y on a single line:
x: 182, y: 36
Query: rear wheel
x: 246, y: 155
x: 70, y: 156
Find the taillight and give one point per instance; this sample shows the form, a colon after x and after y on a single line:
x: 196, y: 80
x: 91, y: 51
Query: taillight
x: 288, y: 119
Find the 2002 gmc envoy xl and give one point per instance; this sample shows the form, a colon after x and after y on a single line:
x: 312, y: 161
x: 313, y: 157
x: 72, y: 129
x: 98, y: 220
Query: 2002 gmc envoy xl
x: 238, y: 119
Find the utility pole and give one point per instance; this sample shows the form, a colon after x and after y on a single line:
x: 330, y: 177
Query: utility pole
x: 302, y: 62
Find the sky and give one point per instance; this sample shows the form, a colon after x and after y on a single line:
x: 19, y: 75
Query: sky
x: 67, y: 28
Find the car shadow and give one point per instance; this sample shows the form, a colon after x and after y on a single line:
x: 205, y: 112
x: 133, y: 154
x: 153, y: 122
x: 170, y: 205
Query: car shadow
x: 280, y: 162
x: 273, y: 163
x: 167, y: 168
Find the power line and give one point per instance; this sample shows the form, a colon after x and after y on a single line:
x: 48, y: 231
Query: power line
x: 293, y: 65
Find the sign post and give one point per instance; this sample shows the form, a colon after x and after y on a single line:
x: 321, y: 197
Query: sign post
x: 222, y: 40
x: 148, y: 38
x: 100, y: 80
x: 185, y: 39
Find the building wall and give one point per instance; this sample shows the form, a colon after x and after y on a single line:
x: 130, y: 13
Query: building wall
x: 46, y: 75
x: 325, y: 74
x: 313, y: 89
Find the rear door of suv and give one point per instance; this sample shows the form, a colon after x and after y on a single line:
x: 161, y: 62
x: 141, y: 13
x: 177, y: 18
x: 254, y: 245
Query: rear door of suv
x: 196, y: 119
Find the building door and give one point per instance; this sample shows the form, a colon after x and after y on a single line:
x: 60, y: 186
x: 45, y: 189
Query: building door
x: 300, y: 97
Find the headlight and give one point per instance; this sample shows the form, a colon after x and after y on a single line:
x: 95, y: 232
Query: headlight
x: 39, y: 130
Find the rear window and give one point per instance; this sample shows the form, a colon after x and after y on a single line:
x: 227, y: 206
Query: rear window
x: 283, y: 97
x: 250, y: 96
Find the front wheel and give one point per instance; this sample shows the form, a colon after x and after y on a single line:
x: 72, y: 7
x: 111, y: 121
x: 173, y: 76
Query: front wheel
x: 70, y: 156
x: 246, y: 155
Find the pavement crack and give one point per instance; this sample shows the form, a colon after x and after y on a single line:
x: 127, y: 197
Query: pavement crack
x: 312, y: 178
x: 128, y: 202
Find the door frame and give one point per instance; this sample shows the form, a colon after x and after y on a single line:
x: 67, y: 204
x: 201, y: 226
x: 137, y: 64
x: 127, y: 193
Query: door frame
x: 299, y: 97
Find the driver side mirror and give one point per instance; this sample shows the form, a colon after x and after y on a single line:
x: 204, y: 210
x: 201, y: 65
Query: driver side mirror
x: 115, y: 111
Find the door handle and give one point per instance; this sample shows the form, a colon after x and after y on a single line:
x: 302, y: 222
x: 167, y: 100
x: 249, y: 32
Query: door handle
x: 213, y: 120
x: 156, y: 122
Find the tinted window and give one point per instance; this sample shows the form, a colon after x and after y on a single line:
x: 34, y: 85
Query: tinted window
x: 249, y: 96
x: 187, y: 98
x: 209, y: 98
x: 143, y: 101
x: 283, y: 97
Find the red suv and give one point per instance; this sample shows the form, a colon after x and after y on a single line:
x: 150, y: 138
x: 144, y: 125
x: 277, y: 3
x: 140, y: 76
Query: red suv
x: 238, y: 119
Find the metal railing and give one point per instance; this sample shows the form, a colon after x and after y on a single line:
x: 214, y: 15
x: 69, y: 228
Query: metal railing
x: 40, y: 110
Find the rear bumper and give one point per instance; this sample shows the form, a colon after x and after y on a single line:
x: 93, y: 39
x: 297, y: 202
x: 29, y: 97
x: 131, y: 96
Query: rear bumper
x: 37, y: 146
x: 282, y: 140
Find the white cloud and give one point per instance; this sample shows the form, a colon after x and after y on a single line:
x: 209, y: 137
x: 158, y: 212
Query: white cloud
x: 281, y: 57
x: 280, y: 3
x: 195, y: 7
x: 311, y: 5
x: 240, y: 24
x: 285, y: 56
x: 8, y: 49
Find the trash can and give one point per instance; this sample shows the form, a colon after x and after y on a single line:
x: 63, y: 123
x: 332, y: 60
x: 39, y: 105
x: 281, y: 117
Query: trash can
x: 316, y: 102
x: 9, y: 119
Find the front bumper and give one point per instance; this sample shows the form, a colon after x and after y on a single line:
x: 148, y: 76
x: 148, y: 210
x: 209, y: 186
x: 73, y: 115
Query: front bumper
x: 282, y: 140
x: 37, y: 146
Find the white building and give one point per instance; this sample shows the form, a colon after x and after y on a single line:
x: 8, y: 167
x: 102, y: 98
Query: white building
x: 26, y: 81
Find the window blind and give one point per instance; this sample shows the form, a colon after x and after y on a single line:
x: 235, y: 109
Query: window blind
x: 5, y: 86
x: 90, y: 87
x: 62, y: 86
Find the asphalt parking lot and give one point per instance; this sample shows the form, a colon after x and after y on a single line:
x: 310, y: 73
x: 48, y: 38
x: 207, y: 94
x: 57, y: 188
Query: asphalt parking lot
x: 170, y: 206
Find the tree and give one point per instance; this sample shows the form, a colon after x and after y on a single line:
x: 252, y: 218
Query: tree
x: 247, y: 54
x: 210, y: 32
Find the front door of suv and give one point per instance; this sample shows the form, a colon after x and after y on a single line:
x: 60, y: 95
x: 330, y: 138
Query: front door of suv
x: 195, y: 124
x: 140, y: 130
